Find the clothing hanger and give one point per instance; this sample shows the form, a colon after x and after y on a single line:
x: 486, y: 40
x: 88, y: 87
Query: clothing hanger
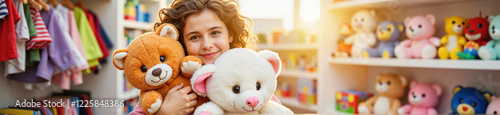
x: 35, y: 4
x: 52, y: 2
x: 79, y: 4
x: 44, y: 5
x: 68, y: 4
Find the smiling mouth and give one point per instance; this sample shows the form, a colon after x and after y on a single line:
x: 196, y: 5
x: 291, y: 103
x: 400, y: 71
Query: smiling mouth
x: 473, y: 37
x: 209, y: 55
x: 248, y: 110
x: 160, y: 78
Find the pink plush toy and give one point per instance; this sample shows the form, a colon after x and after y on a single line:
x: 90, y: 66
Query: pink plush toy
x: 421, y: 43
x: 494, y: 106
x: 422, y: 97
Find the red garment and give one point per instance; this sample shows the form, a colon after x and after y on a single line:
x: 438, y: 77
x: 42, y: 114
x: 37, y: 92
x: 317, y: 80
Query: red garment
x: 8, y: 45
x: 43, y: 38
x: 98, y: 36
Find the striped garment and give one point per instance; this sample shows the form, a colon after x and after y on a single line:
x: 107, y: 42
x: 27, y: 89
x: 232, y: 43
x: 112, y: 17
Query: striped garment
x: 3, y: 10
x: 43, y: 38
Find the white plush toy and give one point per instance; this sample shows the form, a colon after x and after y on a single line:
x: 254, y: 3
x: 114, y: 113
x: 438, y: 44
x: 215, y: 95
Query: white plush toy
x: 241, y: 81
x: 364, y: 23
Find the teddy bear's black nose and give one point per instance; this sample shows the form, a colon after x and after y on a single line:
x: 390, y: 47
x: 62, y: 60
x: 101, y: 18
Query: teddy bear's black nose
x: 156, y: 72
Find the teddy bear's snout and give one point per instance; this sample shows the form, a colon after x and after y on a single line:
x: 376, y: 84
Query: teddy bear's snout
x: 252, y: 101
x: 156, y: 72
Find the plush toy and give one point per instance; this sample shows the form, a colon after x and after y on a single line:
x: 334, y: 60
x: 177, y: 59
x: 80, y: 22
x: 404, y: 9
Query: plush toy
x: 153, y: 63
x: 388, y: 34
x: 364, y: 23
x: 241, y: 81
x: 469, y: 100
x: 454, y: 41
x: 494, y: 106
x: 390, y: 88
x: 423, y: 98
x: 343, y: 50
x: 492, y: 49
x: 421, y: 43
x: 476, y: 32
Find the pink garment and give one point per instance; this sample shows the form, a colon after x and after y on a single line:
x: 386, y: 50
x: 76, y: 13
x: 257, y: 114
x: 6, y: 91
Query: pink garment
x: 138, y: 108
x: 63, y: 79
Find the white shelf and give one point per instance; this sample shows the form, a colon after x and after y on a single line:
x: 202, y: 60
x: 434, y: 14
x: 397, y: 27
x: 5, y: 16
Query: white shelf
x: 288, y: 47
x: 137, y: 25
x: 298, y: 74
x: 387, y: 4
x: 294, y: 102
x: 129, y: 94
x: 420, y: 63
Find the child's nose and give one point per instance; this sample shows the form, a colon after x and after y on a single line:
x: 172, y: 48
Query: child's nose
x: 208, y: 43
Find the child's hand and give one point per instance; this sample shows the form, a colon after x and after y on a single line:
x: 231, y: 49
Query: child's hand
x: 178, y: 101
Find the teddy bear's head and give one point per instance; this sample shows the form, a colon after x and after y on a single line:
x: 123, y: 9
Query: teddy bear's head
x: 240, y: 80
x: 389, y: 31
x: 494, y: 27
x: 494, y: 106
x: 477, y: 29
x: 420, y: 27
x: 391, y: 85
x: 469, y: 100
x: 423, y: 94
x: 151, y: 59
x: 455, y: 25
x: 364, y: 21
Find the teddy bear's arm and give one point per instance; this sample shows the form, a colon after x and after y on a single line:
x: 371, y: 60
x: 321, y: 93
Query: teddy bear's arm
x: 189, y: 65
x: 274, y: 108
x: 208, y: 108
x: 372, y: 40
x: 405, y: 109
x: 405, y: 43
x: 431, y: 111
x: 396, y: 104
x: 435, y: 41
x: 150, y: 101
x: 491, y: 43
x: 462, y: 40
x: 349, y: 40
x: 444, y: 39
x: 367, y: 106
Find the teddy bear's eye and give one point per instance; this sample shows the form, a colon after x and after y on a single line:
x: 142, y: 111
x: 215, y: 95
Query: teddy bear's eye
x: 362, y: 19
x: 461, y: 100
x: 144, y: 68
x: 468, y: 26
x: 236, y: 89
x: 257, y: 85
x: 452, y: 22
x: 463, y: 23
x: 419, y: 26
x: 423, y: 95
x: 389, y: 83
x: 495, y: 112
x: 162, y: 58
x: 480, y: 25
x: 474, y: 104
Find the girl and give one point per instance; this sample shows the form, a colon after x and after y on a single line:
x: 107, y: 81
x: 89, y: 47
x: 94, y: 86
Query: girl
x: 207, y: 28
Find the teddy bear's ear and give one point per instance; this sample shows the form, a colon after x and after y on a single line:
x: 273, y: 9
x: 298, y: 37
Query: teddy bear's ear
x: 431, y: 18
x: 401, y: 27
x: 168, y: 30
x: 200, y: 77
x: 457, y: 88
x: 413, y: 83
x: 273, y: 58
x: 438, y: 89
x: 490, y: 18
x: 488, y: 96
x: 119, y: 58
x: 404, y: 80
x: 407, y: 20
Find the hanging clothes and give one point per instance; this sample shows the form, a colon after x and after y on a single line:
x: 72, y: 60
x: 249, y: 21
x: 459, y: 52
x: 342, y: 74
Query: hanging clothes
x: 89, y: 42
x: 17, y: 65
x: 8, y: 45
x: 94, y: 24
x: 42, y: 39
x: 3, y: 10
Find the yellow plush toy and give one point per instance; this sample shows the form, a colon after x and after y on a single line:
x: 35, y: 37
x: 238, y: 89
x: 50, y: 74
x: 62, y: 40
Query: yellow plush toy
x: 453, y: 42
x: 153, y: 63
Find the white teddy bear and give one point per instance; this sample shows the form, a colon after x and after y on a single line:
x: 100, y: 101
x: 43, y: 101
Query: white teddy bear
x: 241, y: 81
x: 364, y: 23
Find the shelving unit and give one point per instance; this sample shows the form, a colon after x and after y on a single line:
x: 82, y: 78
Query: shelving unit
x: 288, y: 47
x: 336, y: 74
x: 137, y: 25
x: 294, y: 103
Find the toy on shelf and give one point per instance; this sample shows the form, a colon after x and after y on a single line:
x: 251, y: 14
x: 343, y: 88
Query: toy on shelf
x: 343, y: 50
x: 469, y: 100
x: 283, y: 90
x: 454, y: 41
x: 306, y: 93
x: 421, y: 42
x: 347, y: 101
x: 156, y: 68
x: 476, y: 32
x: 492, y: 49
x: 364, y: 23
x: 241, y: 81
x: 423, y: 98
x: 388, y: 34
x: 390, y: 88
x: 494, y: 106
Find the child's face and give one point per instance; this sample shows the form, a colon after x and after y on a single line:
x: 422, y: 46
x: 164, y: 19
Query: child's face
x: 206, y: 36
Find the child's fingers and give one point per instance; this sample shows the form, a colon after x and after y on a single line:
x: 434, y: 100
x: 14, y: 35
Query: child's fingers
x: 192, y: 103
x: 191, y: 109
x: 191, y: 96
x: 175, y: 88
x: 185, y: 90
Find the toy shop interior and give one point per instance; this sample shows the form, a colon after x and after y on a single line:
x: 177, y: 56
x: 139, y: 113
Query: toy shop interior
x: 319, y: 56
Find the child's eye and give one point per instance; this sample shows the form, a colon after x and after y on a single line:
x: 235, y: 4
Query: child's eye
x: 194, y: 38
x: 214, y: 33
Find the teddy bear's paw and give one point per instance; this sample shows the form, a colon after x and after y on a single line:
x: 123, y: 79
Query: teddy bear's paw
x: 401, y: 111
x: 190, y: 67
x: 363, y: 110
x: 205, y: 113
x: 155, y: 106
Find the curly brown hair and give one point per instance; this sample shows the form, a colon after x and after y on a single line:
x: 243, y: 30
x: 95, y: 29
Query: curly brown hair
x: 226, y: 10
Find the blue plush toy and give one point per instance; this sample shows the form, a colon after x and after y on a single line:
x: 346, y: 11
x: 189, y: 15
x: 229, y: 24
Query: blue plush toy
x: 491, y: 51
x: 388, y: 34
x: 469, y: 100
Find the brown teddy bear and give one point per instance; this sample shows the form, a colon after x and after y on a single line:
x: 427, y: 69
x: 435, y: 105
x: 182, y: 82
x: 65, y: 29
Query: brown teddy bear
x: 153, y: 63
x: 390, y: 88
